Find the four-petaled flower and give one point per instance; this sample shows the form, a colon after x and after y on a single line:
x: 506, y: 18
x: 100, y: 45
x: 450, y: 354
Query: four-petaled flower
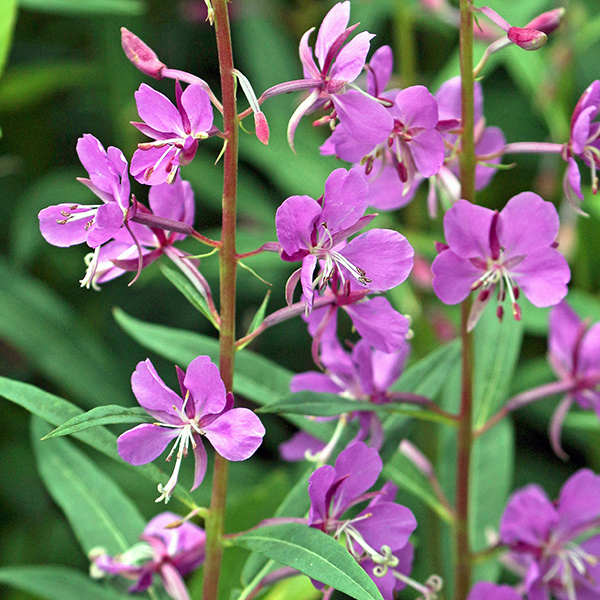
x: 176, y: 131
x: 510, y: 249
x: 541, y: 537
x: 338, y: 65
x: 584, y: 142
x: 67, y: 224
x: 203, y: 409
x: 378, y: 536
x: 314, y: 230
x: 170, y: 552
x: 574, y: 354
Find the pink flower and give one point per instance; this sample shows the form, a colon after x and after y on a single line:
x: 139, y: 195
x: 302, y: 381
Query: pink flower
x: 510, y: 250
x: 203, y: 409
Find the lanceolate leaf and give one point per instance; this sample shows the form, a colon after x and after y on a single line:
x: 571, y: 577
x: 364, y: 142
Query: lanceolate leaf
x: 100, y: 514
x: 313, y: 553
x: 57, y: 411
x: 102, y: 415
x: 57, y: 583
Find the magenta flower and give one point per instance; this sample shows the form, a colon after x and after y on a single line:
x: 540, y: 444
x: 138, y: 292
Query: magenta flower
x: 541, y: 537
x: 574, y: 354
x: 513, y: 249
x: 203, y: 409
x: 378, y: 536
x: 176, y: 131
x: 171, y: 201
x: 413, y: 146
x: 314, y: 230
x: 68, y: 224
x: 339, y: 64
x: 364, y: 374
x: 584, y: 142
x: 170, y: 553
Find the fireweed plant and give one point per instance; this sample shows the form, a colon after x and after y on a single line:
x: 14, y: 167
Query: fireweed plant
x: 342, y: 525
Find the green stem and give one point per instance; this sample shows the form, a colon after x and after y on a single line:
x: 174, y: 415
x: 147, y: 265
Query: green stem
x: 406, y: 43
x: 228, y: 265
x: 463, y: 566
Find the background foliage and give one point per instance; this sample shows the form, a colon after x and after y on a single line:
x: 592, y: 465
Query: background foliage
x: 65, y: 75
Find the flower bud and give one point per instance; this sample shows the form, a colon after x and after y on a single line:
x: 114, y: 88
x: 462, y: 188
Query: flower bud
x: 526, y: 38
x: 261, y: 127
x: 141, y: 55
x: 547, y: 22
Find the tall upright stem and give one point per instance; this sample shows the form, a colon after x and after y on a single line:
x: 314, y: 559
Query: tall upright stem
x: 227, y: 268
x: 465, y: 429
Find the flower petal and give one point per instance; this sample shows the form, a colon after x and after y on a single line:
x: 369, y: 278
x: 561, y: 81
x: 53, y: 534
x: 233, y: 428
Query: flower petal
x: 200, y: 462
x: 203, y: 381
x: 578, y: 504
x: 158, y: 111
x: 527, y: 223
x: 415, y: 106
x: 428, y: 151
x: 351, y: 58
x: 543, y: 277
x: 333, y: 25
x: 144, y: 443
x: 345, y: 200
x: 389, y: 524
x: 528, y: 518
x: 236, y: 434
x: 380, y: 70
x: 295, y: 221
x: 384, y: 255
x: 107, y: 222
x: 467, y: 230
x: 196, y: 104
x: 154, y: 396
x: 379, y: 324
x: 453, y: 277
x: 318, y: 486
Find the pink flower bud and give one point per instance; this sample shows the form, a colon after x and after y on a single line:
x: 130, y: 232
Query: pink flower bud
x: 434, y: 5
x: 141, y: 55
x: 262, y: 127
x: 547, y: 22
x: 528, y: 39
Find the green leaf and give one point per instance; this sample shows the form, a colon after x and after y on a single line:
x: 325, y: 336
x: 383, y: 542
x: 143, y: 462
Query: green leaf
x: 100, y: 514
x: 57, y: 583
x: 101, y: 415
x: 295, y: 504
x: 57, y: 343
x: 89, y: 7
x: 8, y: 18
x: 498, y: 345
x: 313, y: 553
x: 406, y: 476
x: 57, y: 411
x: 428, y: 376
x: 193, y: 296
x: 256, y: 377
x: 318, y: 404
x: 259, y: 317
x: 492, y: 464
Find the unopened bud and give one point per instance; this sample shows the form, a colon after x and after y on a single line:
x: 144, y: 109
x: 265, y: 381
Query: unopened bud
x: 434, y: 5
x: 526, y: 38
x: 261, y: 127
x: 547, y: 22
x: 141, y: 55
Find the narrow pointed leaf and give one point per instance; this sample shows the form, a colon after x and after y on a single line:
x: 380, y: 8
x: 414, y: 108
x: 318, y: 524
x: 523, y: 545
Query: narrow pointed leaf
x: 100, y: 514
x: 193, y: 296
x: 101, y: 415
x: 313, y: 553
x: 54, y: 582
x: 259, y: 317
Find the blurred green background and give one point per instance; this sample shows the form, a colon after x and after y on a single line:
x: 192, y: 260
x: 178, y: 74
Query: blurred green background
x: 66, y: 75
